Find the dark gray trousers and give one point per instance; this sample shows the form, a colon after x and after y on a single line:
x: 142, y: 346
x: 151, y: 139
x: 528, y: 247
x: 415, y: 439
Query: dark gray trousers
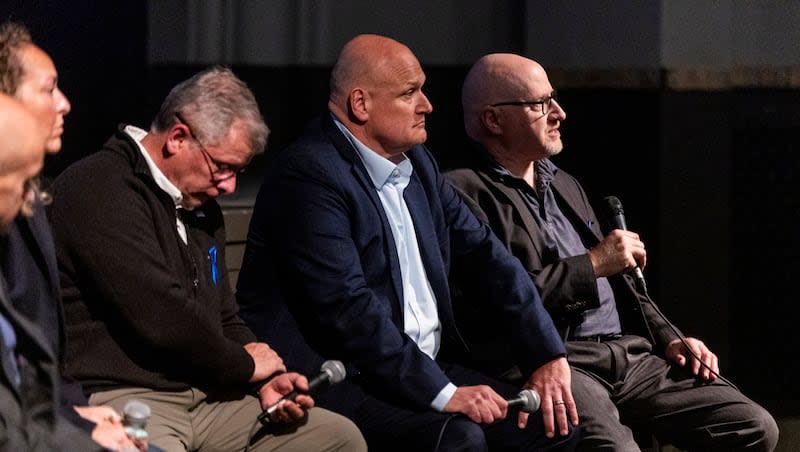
x: 620, y: 387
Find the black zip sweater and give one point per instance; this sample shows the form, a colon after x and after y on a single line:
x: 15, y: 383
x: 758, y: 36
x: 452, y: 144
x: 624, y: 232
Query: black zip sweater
x: 141, y: 307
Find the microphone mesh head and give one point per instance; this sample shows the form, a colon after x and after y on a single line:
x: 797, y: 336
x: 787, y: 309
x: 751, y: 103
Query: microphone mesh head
x: 614, y: 205
x: 531, y: 400
x: 335, y: 370
x: 136, y: 413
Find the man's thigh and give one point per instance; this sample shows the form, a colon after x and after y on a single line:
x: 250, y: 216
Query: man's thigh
x: 390, y: 427
x: 600, y: 424
x: 691, y: 413
x: 230, y: 424
x: 169, y: 426
x: 505, y: 434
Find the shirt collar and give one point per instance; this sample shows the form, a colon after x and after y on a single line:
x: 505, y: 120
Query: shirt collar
x: 545, y: 172
x: 160, y: 179
x: 380, y: 169
x: 544, y: 169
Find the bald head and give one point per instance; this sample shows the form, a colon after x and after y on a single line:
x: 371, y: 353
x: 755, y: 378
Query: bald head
x: 376, y: 92
x: 22, y: 145
x: 363, y: 62
x: 494, y: 78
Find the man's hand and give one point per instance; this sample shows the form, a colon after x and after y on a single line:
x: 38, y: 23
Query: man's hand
x: 109, y: 431
x: 677, y: 353
x: 479, y: 403
x: 553, y: 382
x: 619, y: 251
x: 288, y: 411
x: 266, y: 359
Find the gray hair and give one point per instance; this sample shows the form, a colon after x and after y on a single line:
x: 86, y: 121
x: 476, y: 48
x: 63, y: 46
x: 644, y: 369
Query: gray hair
x: 211, y: 101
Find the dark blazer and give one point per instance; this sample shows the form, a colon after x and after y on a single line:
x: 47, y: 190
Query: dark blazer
x: 29, y: 420
x: 28, y: 414
x: 568, y: 286
x: 30, y: 239
x: 320, y: 242
x: 35, y: 293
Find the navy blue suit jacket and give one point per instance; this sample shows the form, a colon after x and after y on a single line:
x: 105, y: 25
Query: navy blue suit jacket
x: 30, y: 245
x: 29, y: 419
x: 34, y: 291
x: 320, y: 243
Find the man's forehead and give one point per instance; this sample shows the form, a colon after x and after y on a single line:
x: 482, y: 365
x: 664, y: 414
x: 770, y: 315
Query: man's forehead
x: 403, y: 71
x: 237, y: 141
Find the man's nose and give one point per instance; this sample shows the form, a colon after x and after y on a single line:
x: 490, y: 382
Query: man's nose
x: 228, y: 185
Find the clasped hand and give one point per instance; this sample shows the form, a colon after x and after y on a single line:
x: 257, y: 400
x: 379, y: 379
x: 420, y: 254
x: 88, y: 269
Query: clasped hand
x: 552, y: 381
x: 109, y: 431
x: 269, y: 366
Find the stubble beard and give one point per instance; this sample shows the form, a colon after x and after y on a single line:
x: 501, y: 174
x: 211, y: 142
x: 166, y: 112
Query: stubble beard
x: 554, y: 148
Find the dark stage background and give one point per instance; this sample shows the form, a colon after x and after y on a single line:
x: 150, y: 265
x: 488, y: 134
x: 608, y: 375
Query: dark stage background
x: 706, y: 176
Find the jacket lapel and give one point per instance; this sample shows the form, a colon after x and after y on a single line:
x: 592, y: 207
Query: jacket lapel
x: 29, y: 338
x: 530, y: 226
x: 569, y: 197
x: 427, y: 240
x: 359, y: 171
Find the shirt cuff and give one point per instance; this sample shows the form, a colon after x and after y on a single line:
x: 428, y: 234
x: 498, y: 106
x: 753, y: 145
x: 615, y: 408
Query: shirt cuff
x: 443, y: 397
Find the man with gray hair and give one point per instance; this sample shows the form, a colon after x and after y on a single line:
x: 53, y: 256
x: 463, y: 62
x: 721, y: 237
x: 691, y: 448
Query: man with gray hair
x: 149, y: 310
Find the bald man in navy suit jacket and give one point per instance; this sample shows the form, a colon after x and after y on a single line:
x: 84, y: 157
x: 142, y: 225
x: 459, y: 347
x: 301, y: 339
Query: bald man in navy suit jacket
x: 354, y: 233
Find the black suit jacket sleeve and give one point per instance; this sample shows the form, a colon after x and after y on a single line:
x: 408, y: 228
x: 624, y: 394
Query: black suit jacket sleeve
x: 568, y: 286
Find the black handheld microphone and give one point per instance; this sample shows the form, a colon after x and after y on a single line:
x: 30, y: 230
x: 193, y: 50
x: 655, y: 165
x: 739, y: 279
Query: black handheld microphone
x: 331, y: 372
x: 527, y: 400
x: 134, y: 418
x: 616, y: 218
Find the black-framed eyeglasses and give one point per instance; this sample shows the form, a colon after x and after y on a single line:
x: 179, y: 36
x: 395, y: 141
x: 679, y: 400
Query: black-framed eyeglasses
x: 223, y: 171
x: 546, y: 103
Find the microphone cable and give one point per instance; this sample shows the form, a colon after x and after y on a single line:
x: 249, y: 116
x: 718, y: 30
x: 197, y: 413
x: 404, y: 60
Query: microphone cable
x: 441, y: 432
x: 251, y: 435
x: 643, y: 291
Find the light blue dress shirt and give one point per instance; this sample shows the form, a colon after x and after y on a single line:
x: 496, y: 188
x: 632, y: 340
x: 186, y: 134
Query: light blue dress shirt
x: 420, y: 317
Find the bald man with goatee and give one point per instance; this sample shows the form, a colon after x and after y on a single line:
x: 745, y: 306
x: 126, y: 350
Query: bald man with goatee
x: 632, y: 370
x: 354, y: 232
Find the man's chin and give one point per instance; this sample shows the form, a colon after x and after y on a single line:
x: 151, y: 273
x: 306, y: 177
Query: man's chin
x: 191, y: 202
x: 420, y: 138
x: 554, y: 148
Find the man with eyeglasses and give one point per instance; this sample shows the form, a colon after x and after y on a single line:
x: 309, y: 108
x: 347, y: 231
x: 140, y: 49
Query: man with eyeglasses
x: 149, y: 311
x: 632, y: 370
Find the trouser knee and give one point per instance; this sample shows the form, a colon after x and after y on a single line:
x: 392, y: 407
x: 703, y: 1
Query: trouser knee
x: 461, y: 435
x: 350, y: 437
x: 768, y: 429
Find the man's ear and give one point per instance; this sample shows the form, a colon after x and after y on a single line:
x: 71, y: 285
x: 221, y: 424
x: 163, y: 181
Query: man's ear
x: 178, y: 137
x: 358, y: 102
x: 491, y: 121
